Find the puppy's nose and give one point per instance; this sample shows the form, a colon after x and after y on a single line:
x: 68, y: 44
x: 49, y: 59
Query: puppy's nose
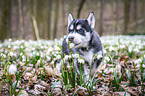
x: 71, y: 38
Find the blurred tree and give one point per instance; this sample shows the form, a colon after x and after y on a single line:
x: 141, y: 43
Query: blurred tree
x: 71, y: 6
x: 126, y: 16
x: 21, y: 33
x: 32, y: 14
x: 135, y: 15
x: 38, y: 14
x: 64, y: 27
x: 49, y: 19
x: 101, y: 17
x: 44, y: 19
x: 82, y: 2
x: 5, y: 4
x: 116, y: 12
x: 56, y: 18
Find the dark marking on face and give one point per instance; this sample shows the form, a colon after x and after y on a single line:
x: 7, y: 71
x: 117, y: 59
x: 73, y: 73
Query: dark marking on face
x: 80, y: 26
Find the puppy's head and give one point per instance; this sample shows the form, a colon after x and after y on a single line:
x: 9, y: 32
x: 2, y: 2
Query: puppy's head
x: 79, y: 30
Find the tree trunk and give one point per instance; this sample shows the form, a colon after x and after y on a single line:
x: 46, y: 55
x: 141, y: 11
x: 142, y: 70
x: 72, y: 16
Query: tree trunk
x: 56, y: 18
x: 38, y: 14
x: 21, y: 20
x: 64, y: 27
x: 80, y: 8
x: 49, y: 19
x: 101, y: 17
x: 116, y: 19
x: 71, y: 6
x: 4, y: 20
x: 32, y: 14
x: 126, y: 16
x: 135, y: 15
x: 44, y: 19
x: 9, y: 20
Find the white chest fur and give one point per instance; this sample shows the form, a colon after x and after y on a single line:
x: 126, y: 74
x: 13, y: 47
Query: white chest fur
x: 88, y: 56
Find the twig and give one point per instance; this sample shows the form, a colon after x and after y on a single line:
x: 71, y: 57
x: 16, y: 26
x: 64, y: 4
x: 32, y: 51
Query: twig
x: 35, y: 28
x: 137, y: 22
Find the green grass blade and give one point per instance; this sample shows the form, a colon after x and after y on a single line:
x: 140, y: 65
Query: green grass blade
x: 125, y: 92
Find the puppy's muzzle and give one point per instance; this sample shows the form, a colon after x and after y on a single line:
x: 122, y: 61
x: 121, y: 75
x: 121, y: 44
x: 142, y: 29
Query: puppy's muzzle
x: 71, y: 38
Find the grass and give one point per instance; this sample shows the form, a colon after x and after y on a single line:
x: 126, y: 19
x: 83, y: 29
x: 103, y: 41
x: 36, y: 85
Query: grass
x: 122, y: 69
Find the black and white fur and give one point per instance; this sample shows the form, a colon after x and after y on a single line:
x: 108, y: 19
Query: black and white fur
x: 85, y: 41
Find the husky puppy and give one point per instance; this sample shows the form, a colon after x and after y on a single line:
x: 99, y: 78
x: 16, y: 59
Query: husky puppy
x: 85, y: 41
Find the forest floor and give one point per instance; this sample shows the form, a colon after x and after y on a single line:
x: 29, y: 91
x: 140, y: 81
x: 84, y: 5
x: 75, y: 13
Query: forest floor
x: 29, y: 68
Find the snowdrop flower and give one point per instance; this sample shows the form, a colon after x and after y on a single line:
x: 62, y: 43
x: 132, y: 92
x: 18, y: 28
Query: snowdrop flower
x: 111, y: 48
x: 4, y: 55
x: 122, y: 46
x: 21, y: 53
x: 48, y: 58
x: 58, y: 56
x: 104, y: 51
x: 21, y: 46
x: 130, y: 49
x: 138, y: 61
x: 9, y: 46
x: 37, y: 54
x: 71, y: 45
x: 23, y: 58
x: 136, y: 50
x: 75, y: 55
x: 38, y: 61
x: 66, y: 57
x: 99, y: 56
x: 11, y: 53
x: 107, y: 59
x: 81, y: 61
x: 56, y: 47
x: 12, y: 69
x: 33, y: 48
x: 10, y: 39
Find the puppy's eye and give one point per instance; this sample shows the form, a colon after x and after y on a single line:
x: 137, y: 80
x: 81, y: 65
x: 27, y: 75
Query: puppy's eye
x: 81, y: 30
x: 70, y: 30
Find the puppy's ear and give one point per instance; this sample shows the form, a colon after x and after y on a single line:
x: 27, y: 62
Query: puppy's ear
x: 91, y: 20
x: 70, y: 18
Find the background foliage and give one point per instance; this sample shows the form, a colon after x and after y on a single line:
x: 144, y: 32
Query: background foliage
x: 47, y: 19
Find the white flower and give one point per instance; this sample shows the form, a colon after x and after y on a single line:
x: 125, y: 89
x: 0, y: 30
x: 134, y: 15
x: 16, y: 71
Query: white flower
x: 48, y: 58
x: 38, y: 61
x: 130, y: 49
x: 12, y: 69
x: 104, y: 51
x: 66, y: 57
x: 10, y: 39
x: 107, y: 59
x: 56, y: 47
x: 99, y: 56
x: 58, y: 56
x: 21, y: 53
x: 21, y: 46
x: 4, y: 55
x: 11, y: 53
x: 138, y: 61
x: 71, y: 45
x: 122, y: 46
x: 81, y: 61
x: 136, y: 50
x: 37, y: 54
x: 33, y: 48
x: 9, y: 46
x: 23, y: 58
x: 75, y: 55
x: 111, y: 48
